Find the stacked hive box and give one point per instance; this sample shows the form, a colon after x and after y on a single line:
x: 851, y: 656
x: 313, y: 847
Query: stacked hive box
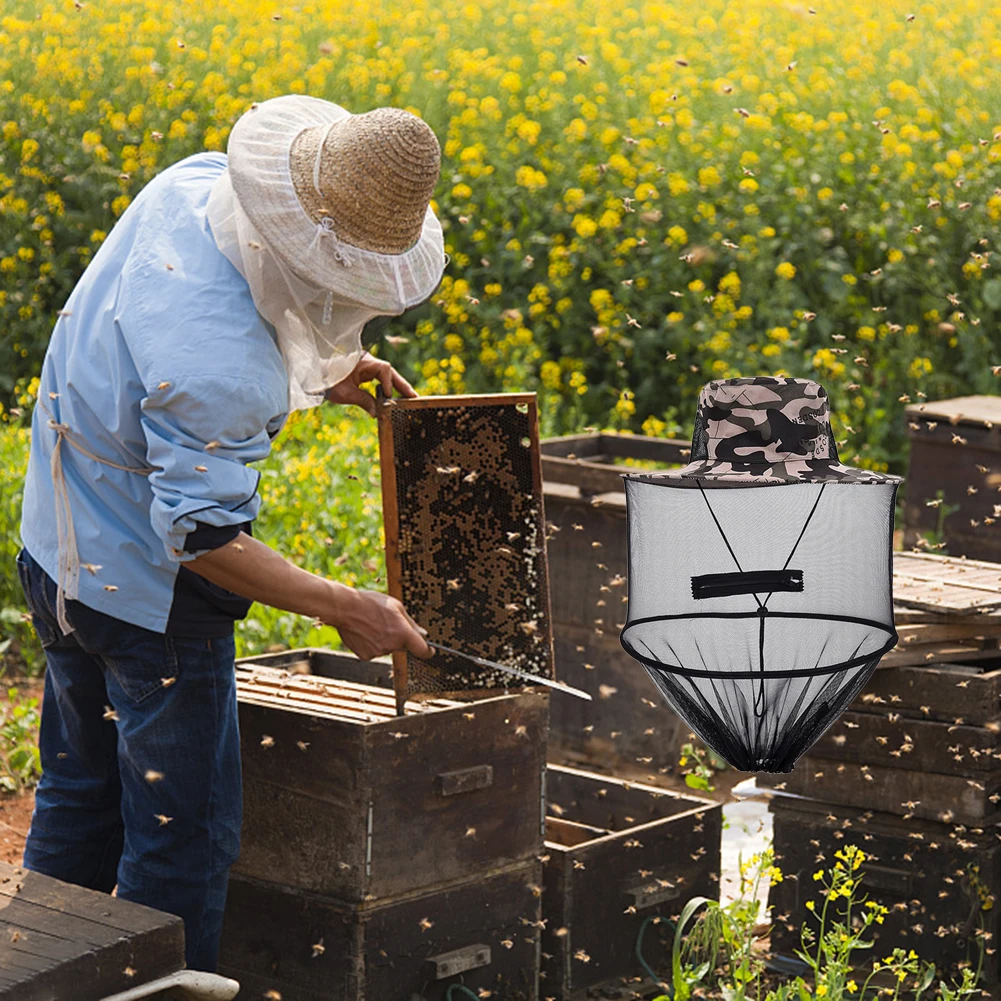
x: 622, y: 859
x: 384, y: 856
x: 628, y: 723
x: 955, y: 450
x: 911, y: 773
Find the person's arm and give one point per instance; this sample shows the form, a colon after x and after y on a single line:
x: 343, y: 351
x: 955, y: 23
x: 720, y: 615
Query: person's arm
x: 370, y: 623
x: 201, y: 433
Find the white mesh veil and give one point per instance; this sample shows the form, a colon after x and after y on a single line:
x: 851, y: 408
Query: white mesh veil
x: 318, y: 325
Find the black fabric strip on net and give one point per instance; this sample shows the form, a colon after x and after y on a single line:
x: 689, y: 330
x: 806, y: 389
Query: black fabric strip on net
x: 759, y: 660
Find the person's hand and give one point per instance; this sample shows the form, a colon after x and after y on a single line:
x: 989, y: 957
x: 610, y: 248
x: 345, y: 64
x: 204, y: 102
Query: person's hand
x: 372, y: 624
x: 368, y: 368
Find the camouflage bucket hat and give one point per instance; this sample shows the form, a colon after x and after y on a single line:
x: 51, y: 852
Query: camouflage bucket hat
x: 763, y: 430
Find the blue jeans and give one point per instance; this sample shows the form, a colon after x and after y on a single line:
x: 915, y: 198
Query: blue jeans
x: 141, y: 785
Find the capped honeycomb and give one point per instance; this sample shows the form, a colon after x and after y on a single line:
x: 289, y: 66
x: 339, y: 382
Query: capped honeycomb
x: 465, y: 536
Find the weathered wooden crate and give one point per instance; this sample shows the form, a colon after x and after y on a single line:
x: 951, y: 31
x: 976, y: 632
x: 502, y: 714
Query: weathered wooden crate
x: 482, y: 933
x: 343, y: 797
x: 595, y: 462
x: 926, y: 873
x: 59, y: 941
x: 628, y: 721
x: 955, y: 446
x: 620, y: 858
x: 920, y: 741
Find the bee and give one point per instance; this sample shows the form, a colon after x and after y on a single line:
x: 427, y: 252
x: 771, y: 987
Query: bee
x: 163, y: 818
x: 425, y: 924
x: 267, y: 741
x: 152, y: 775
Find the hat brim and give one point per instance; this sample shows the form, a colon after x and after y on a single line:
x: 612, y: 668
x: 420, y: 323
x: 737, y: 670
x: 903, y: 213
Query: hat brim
x: 257, y: 159
x: 749, y: 474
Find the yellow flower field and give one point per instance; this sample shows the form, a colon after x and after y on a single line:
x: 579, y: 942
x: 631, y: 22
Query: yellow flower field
x: 636, y: 197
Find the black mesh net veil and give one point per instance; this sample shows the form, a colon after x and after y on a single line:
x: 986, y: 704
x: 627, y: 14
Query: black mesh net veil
x: 759, y: 611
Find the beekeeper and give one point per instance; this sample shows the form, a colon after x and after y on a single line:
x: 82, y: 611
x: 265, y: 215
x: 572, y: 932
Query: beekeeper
x: 233, y: 290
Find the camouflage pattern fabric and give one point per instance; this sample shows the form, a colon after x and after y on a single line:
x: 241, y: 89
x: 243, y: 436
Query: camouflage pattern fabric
x: 764, y: 430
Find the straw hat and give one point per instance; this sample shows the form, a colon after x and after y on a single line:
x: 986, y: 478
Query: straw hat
x: 377, y: 173
x: 303, y: 169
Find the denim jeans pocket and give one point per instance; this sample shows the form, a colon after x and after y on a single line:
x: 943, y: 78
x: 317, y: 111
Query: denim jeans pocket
x: 31, y: 583
x: 141, y: 662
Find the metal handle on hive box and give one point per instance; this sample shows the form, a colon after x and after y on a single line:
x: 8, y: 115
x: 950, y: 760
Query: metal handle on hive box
x: 464, y: 780
x: 652, y: 895
x: 448, y: 964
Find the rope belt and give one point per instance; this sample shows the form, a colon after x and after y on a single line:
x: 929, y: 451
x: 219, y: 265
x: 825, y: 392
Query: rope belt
x: 69, y: 556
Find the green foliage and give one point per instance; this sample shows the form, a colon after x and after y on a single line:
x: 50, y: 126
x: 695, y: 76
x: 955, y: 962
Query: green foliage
x: 19, y: 648
x: 635, y: 199
x: 20, y: 763
x: 700, y: 764
x: 719, y: 952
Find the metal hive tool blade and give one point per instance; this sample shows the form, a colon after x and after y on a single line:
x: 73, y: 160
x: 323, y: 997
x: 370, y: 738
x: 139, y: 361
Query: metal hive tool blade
x: 465, y: 537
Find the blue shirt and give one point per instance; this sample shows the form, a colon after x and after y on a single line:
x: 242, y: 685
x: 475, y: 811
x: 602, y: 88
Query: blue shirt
x: 159, y: 359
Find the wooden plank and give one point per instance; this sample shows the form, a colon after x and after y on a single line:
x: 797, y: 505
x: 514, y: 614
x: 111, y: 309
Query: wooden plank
x: 984, y: 410
x: 918, y: 634
x: 570, y: 446
x: 251, y: 672
x: 945, y: 584
x: 63, y: 941
x: 274, y: 691
x: 951, y: 693
x: 670, y: 451
x: 391, y: 525
x: 986, y: 650
x: 894, y: 741
x: 947, y: 798
x: 907, y: 616
x: 927, y: 561
x: 594, y: 469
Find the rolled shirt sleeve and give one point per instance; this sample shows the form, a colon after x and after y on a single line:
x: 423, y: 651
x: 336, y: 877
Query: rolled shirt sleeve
x: 201, y: 433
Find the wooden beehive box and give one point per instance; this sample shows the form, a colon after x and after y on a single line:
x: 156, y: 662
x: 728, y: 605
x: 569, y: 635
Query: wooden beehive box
x: 59, y: 941
x: 595, y: 462
x: 482, y: 933
x: 628, y: 722
x: 926, y: 873
x: 620, y: 856
x: 955, y: 447
x: 343, y: 797
x: 920, y: 741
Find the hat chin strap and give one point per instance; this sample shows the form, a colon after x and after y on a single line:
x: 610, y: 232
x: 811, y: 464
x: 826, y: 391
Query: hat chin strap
x: 325, y: 227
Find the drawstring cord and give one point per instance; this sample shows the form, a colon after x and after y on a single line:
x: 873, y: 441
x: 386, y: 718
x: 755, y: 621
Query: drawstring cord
x: 758, y: 706
x: 325, y: 227
x: 69, y: 556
